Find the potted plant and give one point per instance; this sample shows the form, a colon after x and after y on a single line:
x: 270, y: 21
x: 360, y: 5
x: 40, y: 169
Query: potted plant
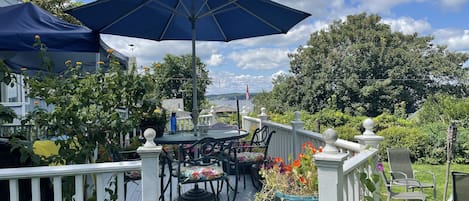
x: 295, y: 181
x: 153, y: 116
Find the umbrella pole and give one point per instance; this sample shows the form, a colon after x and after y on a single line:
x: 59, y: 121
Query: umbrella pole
x: 195, y: 108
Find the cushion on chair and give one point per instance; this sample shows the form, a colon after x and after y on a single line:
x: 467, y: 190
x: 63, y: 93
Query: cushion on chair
x: 196, y: 173
x: 244, y: 157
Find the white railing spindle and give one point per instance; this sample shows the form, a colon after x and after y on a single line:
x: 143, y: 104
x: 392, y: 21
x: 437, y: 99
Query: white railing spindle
x: 14, y: 193
x: 79, y: 188
x: 36, y: 189
x: 57, y: 182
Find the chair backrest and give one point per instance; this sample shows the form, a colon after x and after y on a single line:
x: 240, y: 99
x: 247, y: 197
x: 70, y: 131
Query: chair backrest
x: 261, y: 138
x: 460, y: 186
x: 207, y: 151
x: 223, y: 126
x: 399, y: 161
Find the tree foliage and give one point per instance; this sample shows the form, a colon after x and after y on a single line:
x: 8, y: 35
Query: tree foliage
x: 360, y: 65
x: 88, y: 109
x: 57, y: 7
x: 173, y: 79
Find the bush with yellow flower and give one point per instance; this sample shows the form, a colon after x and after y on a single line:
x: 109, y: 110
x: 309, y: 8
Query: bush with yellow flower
x: 297, y: 179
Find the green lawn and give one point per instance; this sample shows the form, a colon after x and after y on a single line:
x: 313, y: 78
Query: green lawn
x: 439, y: 171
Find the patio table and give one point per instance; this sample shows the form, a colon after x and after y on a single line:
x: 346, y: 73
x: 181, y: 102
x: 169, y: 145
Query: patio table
x: 188, y: 137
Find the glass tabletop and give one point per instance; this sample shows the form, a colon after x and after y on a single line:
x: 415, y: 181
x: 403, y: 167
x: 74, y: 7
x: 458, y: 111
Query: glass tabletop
x: 188, y: 137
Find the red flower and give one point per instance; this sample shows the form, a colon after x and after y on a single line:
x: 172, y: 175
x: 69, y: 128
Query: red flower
x: 301, y: 155
x: 296, y: 163
x: 303, y: 180
x: 278, y: 159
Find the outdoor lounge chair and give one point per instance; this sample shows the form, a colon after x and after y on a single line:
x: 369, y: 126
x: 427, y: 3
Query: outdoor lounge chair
x: 402, y: 172
x: 415, y: 195
x: 460, y: 186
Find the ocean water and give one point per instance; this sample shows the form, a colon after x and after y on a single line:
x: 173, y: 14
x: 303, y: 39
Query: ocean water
x: 232, y: 103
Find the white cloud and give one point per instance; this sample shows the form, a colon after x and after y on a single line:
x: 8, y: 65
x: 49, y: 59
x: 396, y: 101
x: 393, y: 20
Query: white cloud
x: 456, y: 40
x: 148, y: 51
x: 215, y: 60
x: 261, y: 58
x: 228, y: 82
x: 278, y: 73
x: 408, y: 25
x: 453, y: 4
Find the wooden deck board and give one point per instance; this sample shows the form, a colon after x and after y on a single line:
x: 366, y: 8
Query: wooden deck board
x: 134, y: 191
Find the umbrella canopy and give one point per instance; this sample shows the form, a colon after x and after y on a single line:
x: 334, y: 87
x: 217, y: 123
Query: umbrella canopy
x: 202, y: 20
x: 64, y: 41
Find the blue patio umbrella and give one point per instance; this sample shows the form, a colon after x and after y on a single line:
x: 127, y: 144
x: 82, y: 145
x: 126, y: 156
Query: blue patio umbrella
x: 201, y: 20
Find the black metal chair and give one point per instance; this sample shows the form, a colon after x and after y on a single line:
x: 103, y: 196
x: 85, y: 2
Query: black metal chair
x: 253, y: 155
x: 460, y: 186
x: 206, y: 161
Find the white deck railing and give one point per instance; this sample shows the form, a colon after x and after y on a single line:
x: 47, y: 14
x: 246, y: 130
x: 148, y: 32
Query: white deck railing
x: 185, y: 123
x: 102, y: 172
x: 338, y: 165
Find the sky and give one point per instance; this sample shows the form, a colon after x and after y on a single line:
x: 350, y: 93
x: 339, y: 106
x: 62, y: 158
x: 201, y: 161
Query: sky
x: 256, y: 61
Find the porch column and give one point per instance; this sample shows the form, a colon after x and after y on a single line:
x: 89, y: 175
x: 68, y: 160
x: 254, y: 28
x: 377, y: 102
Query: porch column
x: 149, y: 153
x: 297, y: 124
x: 330, y: 169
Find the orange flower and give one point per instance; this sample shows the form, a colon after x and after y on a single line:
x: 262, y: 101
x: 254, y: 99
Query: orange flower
x: 301, y: 156
x: 296, y: 163
x: 310, y: 144
x: 278, y: 159
x: 320, y: 149
x: 303, y: 180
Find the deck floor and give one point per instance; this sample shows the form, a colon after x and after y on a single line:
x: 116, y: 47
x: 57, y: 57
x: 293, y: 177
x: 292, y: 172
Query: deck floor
x: 134, y: 190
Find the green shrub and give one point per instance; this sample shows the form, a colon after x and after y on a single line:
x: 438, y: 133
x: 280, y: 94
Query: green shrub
x: 348, y: 132
x: 401, y: 137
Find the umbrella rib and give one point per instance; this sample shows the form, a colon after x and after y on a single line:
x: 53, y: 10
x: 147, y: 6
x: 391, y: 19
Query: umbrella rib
x: 173, y: 10
x: 124, y: 16
x: 218, y: 25
x: 201, y: 7
x: 218, y: 9
x: 166, y: 27
x: 261, y: 19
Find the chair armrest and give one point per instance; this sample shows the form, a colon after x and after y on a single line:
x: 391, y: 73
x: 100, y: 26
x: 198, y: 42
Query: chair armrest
x: 430, y: 173
x: 398, y: 172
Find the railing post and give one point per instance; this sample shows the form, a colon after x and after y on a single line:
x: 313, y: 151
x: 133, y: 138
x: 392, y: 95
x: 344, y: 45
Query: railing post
x: 149, y: 153
x: 213, y: 117
x: 297, y: 124
x: 369, y: 138
x: 262, y: 117
x: 330, y: 169
x: 243, y: 114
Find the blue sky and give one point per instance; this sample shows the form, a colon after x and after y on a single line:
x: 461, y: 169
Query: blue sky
x: 256, y: 61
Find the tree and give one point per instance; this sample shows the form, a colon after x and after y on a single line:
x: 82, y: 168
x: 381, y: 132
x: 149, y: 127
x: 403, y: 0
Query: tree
x: 57, y: 7
x: 173, y: 79
x: 360, y: 65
